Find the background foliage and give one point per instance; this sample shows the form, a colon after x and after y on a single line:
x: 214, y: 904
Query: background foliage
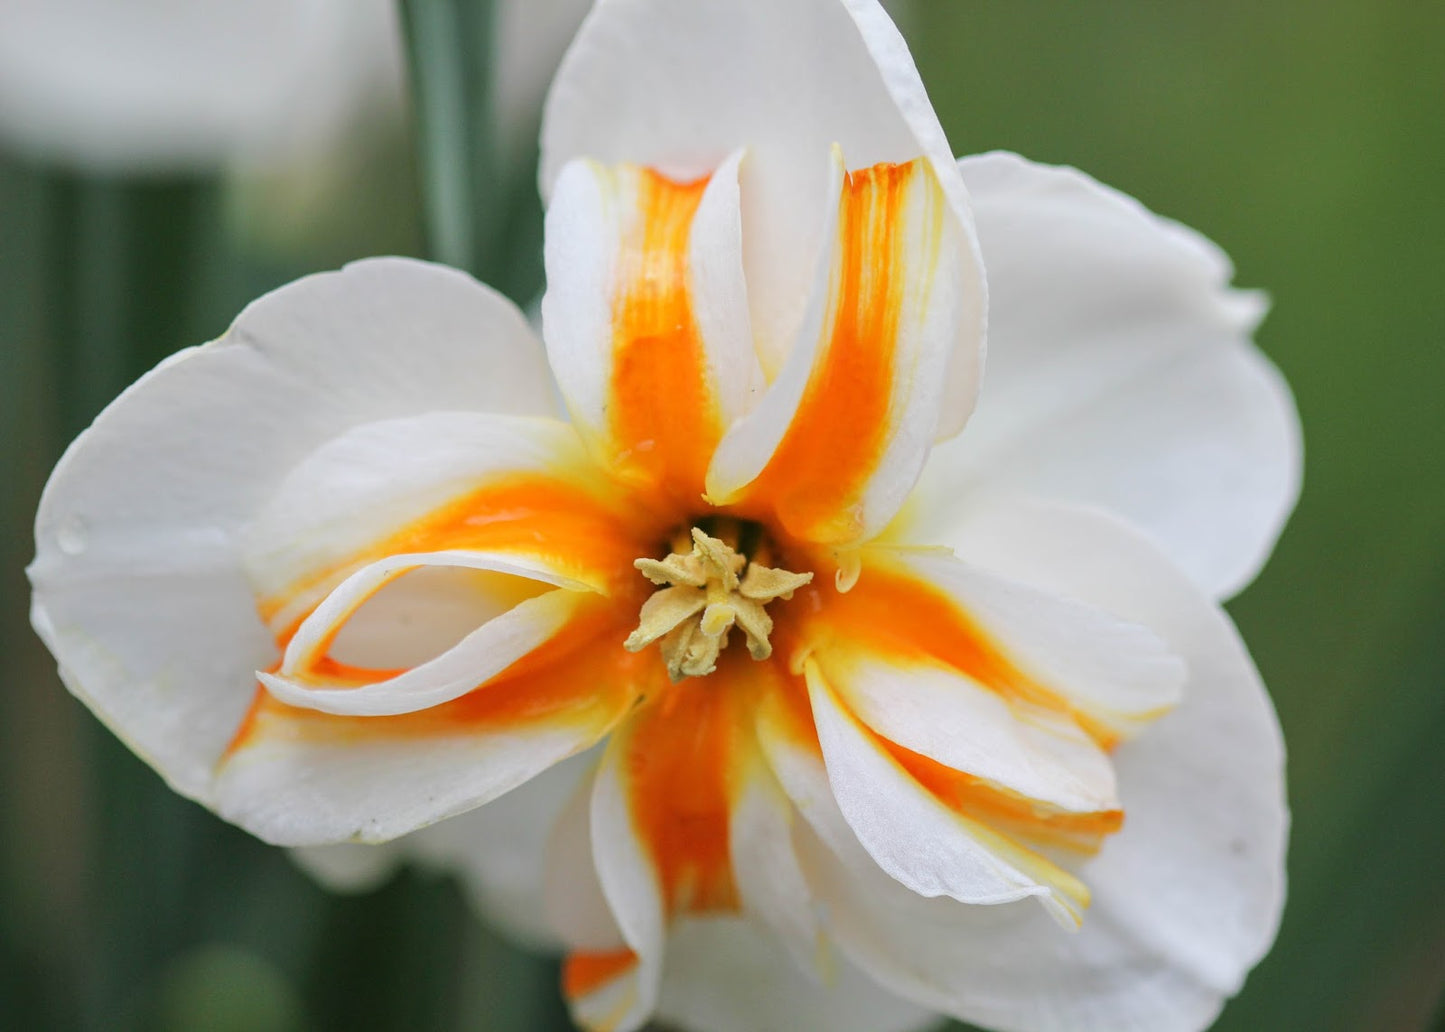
x: 1305, y: 138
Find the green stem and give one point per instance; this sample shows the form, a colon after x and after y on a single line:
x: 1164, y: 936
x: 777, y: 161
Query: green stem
x: 133, y: 278
x: 450, y: 45
x: 132, y: 267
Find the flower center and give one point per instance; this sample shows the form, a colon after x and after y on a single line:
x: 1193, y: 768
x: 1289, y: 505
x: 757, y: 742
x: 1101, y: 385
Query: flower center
x: 703, y: 592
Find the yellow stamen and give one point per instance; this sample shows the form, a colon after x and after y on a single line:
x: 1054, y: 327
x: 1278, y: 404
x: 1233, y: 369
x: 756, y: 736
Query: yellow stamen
x: 702, y: 595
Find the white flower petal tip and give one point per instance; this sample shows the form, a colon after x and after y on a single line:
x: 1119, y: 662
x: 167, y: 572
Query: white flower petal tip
x: 1121, y: 375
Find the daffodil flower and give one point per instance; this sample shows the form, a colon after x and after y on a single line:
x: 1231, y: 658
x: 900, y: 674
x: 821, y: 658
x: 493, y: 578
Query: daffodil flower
x: 890, y: 720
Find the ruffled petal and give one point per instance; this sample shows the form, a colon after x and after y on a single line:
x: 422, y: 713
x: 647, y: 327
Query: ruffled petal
x: 836, y: 444
x: 1040, y: 652
x: 1117, y: 673
x: 140, y: 589
x: 646, y: 317
x: 944, y: 716
x: 308, y: 676
x: 301, y: 776
x: 1186, y: 898
x: 679, y: 87
x: 1121, y: 374
x: 663, y: 814
x: 444, y: 481
x: 912, y: 836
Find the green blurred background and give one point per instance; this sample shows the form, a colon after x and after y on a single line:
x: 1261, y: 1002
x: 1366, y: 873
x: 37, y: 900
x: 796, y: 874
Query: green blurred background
x: 1307, y: 139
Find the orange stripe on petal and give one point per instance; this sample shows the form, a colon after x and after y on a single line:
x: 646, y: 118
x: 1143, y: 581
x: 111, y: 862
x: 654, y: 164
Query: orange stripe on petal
x: 664, y: 417
x: 684, y: 752
x: 564, y: 525
x: 848, y: 442
x: 1008, y: 812
x: 892, y: 613
x: 584, y: 973
x: 581, y: 675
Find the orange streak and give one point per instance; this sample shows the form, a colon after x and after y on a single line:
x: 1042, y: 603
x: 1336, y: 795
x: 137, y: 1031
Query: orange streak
x: 816, y: 479
x: 681, y: 754
x: 529, y: 515
x: 1006, y: 811
x: 583, y: 674
x: 894, y: 613
x: 664, y: 417
x: 583, y: 973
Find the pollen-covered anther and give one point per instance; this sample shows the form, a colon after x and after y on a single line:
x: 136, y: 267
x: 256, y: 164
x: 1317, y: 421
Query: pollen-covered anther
x: 702, y: 595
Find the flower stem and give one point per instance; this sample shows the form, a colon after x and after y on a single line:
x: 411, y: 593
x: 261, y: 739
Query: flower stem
x: 449, y: 44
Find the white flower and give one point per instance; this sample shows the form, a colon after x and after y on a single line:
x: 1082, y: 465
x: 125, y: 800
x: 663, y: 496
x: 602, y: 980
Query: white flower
x: 147, y: 84
x: 163, y: 84
x: 850, y: 779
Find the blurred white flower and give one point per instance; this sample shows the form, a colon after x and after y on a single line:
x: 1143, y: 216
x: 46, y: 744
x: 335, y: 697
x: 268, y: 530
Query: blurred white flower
x: 148, y: 85
x: 174, y: 84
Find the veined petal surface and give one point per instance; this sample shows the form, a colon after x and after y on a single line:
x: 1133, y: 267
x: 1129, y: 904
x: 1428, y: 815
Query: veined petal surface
x: 1121, y: 374
x: 140, y: 589
x: 679, y: 87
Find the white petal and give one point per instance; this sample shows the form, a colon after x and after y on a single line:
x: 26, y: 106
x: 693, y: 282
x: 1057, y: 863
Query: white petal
x: 953, y: 720
x: 1121, y: 374
x: 724, y: 975
x: 499, y: 849
x: 576, y: 909
x: 1186, y: 898
x: 481, y: 655
x: 139, y: 589
x: 770, y: 884
x: 603, y: 246
x: 365, y: 485
x: 1118, y: 671
x: 312, y: 784
x: 680, y: 86
x: 630, y: 885
x: 916, y: 839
